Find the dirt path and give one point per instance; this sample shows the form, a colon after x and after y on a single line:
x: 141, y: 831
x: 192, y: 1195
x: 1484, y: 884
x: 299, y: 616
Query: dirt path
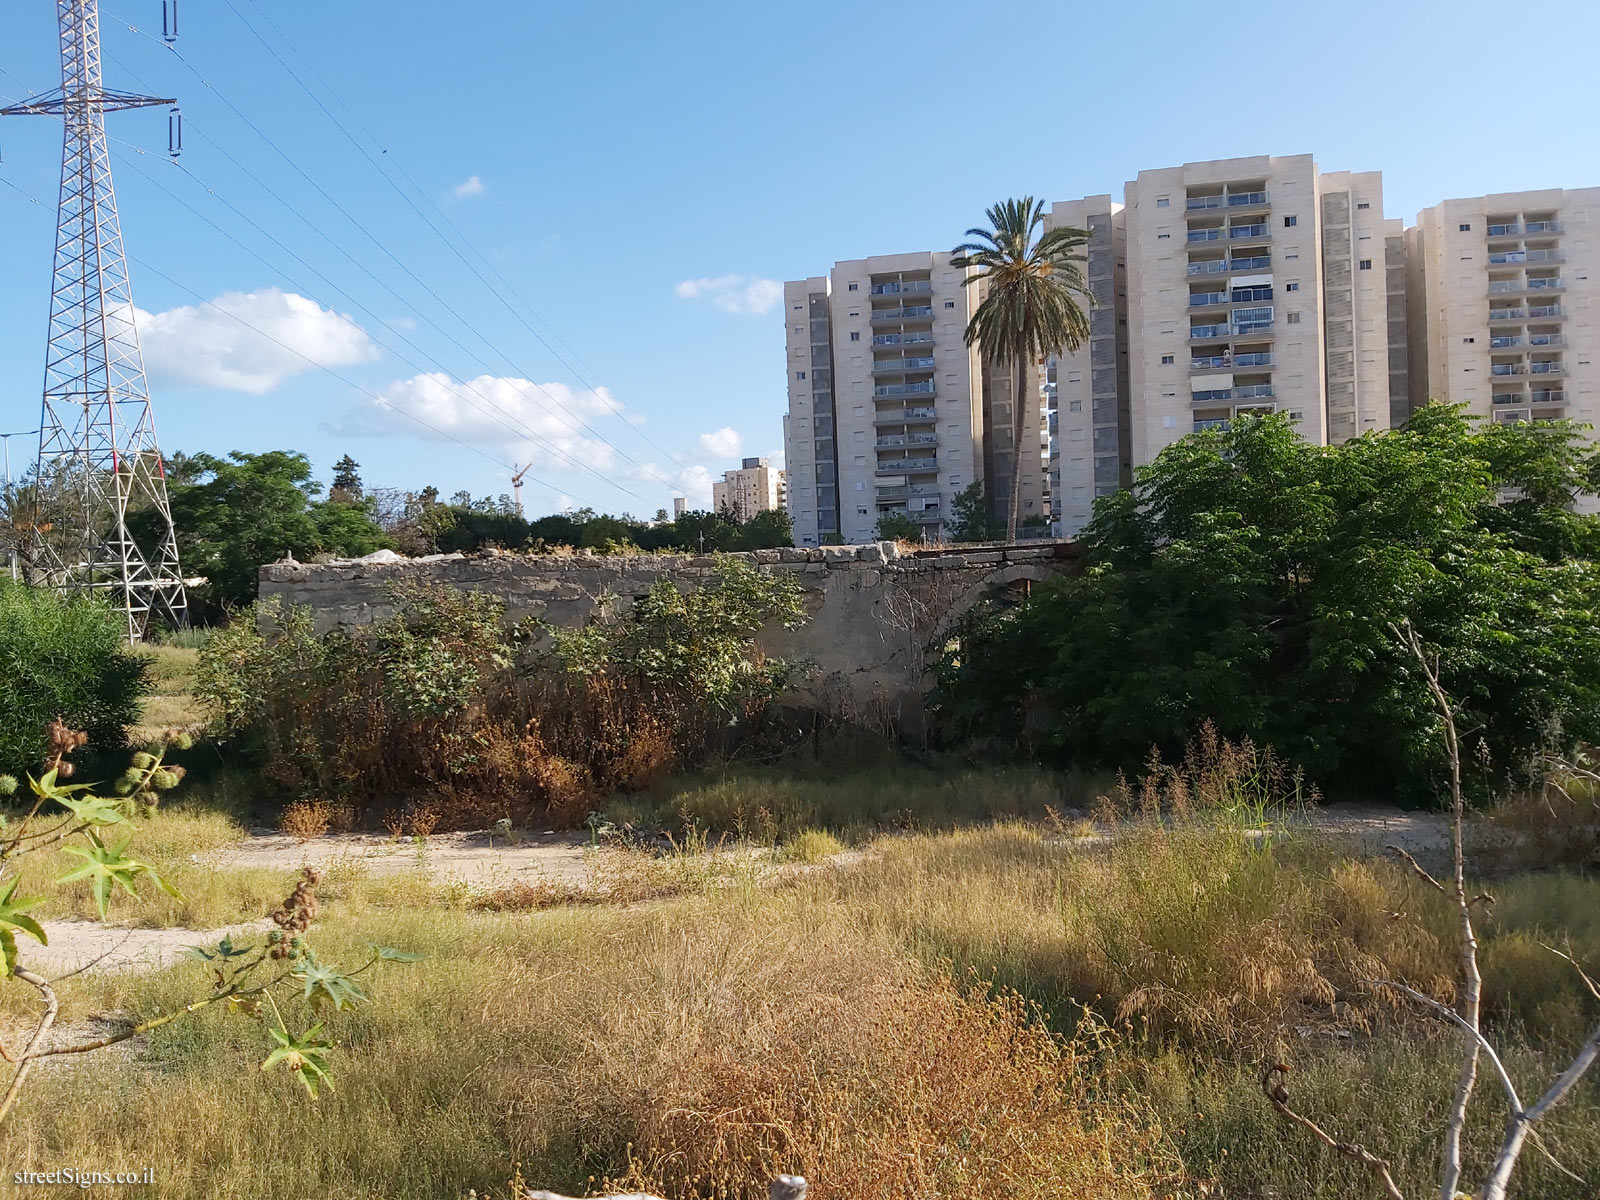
x: 75, y: 945
x: 476, y: 859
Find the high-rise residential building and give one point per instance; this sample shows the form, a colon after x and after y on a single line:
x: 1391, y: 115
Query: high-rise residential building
x: 680, y: 505
x: 1254, y: 285
x: 885, y: 398
x: 755, y: 487
x: 1502, y: 293
x: 1087, y: 392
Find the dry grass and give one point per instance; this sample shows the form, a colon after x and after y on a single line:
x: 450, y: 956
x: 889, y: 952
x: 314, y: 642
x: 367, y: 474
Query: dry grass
x: 306, y: 819
x: 170, y: 704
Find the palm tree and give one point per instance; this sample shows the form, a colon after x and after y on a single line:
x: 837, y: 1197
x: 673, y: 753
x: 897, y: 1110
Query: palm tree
x: 1030, y: 306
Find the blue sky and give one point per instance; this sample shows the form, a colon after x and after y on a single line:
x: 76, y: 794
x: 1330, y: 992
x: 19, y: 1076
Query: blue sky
x: 642, y: 175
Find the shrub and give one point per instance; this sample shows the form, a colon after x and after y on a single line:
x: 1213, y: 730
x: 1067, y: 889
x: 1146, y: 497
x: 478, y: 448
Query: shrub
x: 63, y: 656
x: 306, y: 819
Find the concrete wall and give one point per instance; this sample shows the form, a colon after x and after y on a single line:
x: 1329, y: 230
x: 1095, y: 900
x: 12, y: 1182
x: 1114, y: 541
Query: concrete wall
x: 872, y: 609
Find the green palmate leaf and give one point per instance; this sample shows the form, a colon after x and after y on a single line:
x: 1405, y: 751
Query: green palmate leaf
x: 95, y: 810
x: 327, y: 984
x: 13, y: 915
x: 390, y: 954
x: 105, y: 867
x: 306, y: 1056
x: 222, y: 951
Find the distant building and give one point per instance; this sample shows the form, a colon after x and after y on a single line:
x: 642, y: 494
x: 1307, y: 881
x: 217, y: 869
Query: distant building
x: 680, y: 505
x: 754, y: 487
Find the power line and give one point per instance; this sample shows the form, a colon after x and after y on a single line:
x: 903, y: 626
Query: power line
x: 361, y: 228
x: 498, y: 414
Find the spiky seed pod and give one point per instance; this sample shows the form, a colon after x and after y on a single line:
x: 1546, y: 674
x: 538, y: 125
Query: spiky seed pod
x: 65, y: 771
x: 177, y: 771
x: 8, y: 785
x: 144, y: 760
x: 163, y: 780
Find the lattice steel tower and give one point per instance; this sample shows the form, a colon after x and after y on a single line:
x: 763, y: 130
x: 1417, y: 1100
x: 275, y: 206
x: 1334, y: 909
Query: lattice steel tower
x: 97, y: 435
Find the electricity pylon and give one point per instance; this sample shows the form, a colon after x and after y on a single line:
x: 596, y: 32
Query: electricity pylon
x: 97, y: 435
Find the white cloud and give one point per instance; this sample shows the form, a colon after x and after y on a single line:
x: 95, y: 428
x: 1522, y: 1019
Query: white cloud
x: 721, y: 443
x: 738, y: 294
x: 468, y: 188
x: 249, y: 341
x: 533, y: 423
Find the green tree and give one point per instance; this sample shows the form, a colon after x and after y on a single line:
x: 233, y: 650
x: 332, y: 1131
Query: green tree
x: 1252, y: 578
x: 1030, y: 307
x: 897, y: 527
x: 346, y: 480
x: 769, y: 529
x: 970, y: 517
x: 241, y: 512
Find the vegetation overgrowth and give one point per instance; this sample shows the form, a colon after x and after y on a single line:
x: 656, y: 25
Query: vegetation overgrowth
x: 1251, y: 578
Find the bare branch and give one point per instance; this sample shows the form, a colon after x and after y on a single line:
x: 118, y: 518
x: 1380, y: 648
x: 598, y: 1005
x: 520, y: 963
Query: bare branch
x: 1405, y: 854
x: 1458, y: 1020
x: 1274, y: 1086
x: 46, y: 1019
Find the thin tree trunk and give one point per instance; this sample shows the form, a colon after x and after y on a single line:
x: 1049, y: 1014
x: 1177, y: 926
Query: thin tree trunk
x: 1014, y: 511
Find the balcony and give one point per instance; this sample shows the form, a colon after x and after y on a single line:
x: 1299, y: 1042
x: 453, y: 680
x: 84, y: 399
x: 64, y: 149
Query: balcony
x: 901, y: 416
x: 1508, y: 398
x: 1211, y: 362
x: 906, y: 466
x: 1535, y: 256
x: 1210, y: 266
x: 1214, y: 396
x: 1222, y: 424
x: 1549, y: 283
x: 1199, y: 202
x: 1252, y: 391
x: 1202, y: 333
x: 1504, y: 343
x: 1507, y: 314
x: 1214, y: 234
x: 1498, y: 287
x: 1256, y: 294
x: 1207, y: 299
x: 889, y: 495
x: 1246, y: 199
x: 1532, y: 228
x: 902, y: 339
x: 1546, y: 339
x: 881, y: 365
x: 1505, y: 230
x: 1256, y: 358
x: 1545, y: 311
x: 1548, y: 396
x: 908, y: 313
x: 911, y: 286
x: 925, y: 516
x: 1253, y: 232
x: 1503, y: 369
x: 925, y: 388
x: 1252, y: 320
x: 1249, y: 327
x: 1547, y: 368
x: 908, y: 439
x: 1508, y: 256
x: 1257, y: 262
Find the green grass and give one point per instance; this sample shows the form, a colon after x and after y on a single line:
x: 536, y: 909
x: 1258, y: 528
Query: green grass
x: 170, y: 704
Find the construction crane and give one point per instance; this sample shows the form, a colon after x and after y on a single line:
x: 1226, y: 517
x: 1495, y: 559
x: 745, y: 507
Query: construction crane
x: 516, y: 488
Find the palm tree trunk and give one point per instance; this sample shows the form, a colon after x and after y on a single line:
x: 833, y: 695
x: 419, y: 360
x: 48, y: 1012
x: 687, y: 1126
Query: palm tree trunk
x: 1014, y: 512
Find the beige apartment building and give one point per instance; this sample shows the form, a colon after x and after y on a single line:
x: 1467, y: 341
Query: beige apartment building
x: 1255, y: 285
x: 885, y: 400
x: 1502, y: 301
x: 755, y: 487
x: 1086, y: 393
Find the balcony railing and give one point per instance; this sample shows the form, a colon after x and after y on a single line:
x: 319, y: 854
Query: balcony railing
x: 1548, y: 396
x: 1508, y: 398
x: 1546, y: 255
x: 1213, y: 396
x: 909, y: 439
x: 1258, y: 230
x: 1207, y: 299
x: 901, y: 466
x: 1546, y: 339
x: 1239, y: 199
x: 1195, y: 202
x: 1507, y: 314
x: 1504, y: 343
x: 1198, y: 332
x: 891, y: 494
x: 1550, y: 283
x: 901, y: 314
x: 1505, y: 368
x: 1256, y: 262
x: 1257, y: 358
x: 1220, y: 423
x: 1210, y: 362
x: 1206, y: 235
x: 1211, y: 266
x: 911, y: 285
x: 925, y: 516
x: 1509, y: 256
x: 1251, y: 391
x: 1546, y: 310
x: 899, y: 416
x: 901, y: 339
x: 1245, y: 327
x: 1533, y: 227
x: 924, y: 363
x: 1547, y: 368
x: 904, y: 389
x: 1503, y: 230
x: 1259, y: 294
x: 1498, y: 286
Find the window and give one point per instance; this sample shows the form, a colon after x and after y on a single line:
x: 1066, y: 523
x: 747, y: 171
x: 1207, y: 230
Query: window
x: 1291, y: 287
x: 1075, y: 406
x: 1161, y: 237
x: 799, y: 374
x: 1290, y: 222
x: 1469, y: 341
x: 1466, y: 227
x: 1163, y: 202
x: 1292, y: 319
x: 1166, y: 360
x: 855, y: 287
x: 798, y: 307
x: 1366, y: 264
x: 1290, y: 256
x: 855, y: 335
x: 949, y: 303
x: 1363, y: 204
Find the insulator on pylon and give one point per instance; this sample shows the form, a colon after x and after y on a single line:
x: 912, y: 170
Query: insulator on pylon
x: 169, y: 20
x: 174, y: 132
